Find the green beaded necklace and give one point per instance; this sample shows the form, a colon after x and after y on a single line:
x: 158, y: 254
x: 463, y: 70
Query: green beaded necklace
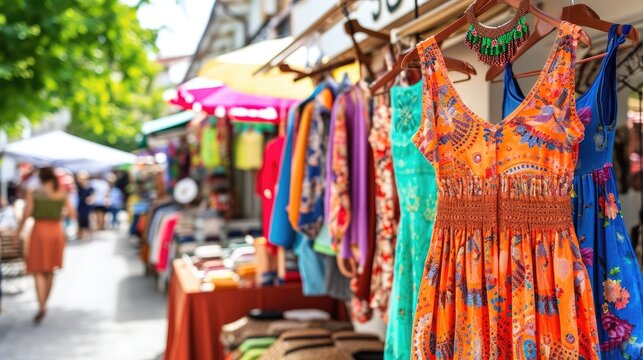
x: 496, y: 46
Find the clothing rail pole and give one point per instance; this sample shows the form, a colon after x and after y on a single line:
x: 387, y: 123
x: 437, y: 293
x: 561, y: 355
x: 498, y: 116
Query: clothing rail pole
x: 432, y: 18
x: 316, y: 26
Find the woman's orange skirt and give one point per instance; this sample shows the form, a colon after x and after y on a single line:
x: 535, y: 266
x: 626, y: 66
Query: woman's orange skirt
x: 46, y: 246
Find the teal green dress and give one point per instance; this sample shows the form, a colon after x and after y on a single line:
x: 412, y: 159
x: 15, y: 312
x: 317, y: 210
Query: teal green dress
x: 417, y: 192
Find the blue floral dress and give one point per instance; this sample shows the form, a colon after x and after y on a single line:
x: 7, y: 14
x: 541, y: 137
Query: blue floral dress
x: 606, y: 249
x: 417, y: 192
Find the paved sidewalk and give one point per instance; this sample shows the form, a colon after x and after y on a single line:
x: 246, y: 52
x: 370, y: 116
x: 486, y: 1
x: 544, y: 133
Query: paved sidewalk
x: 101, y: 307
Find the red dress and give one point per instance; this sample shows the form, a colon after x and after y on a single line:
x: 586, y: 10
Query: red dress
x: 267, y: 179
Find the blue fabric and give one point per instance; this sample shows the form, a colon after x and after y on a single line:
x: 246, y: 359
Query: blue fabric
x: 281, y: 231
x: 311, y: 267
x: 617, y: 282
x: 134, y: 224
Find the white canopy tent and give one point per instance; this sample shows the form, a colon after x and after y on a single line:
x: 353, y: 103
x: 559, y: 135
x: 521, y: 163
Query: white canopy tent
x: 60, y: 149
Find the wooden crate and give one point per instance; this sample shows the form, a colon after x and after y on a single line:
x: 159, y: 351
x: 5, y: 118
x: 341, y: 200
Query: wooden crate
x: 12, y: 265
x: 8, y: 250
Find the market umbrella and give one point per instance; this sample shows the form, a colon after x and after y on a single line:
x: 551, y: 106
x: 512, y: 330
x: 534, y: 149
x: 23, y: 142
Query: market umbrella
x: 58, y: 148
x: 194, y: 90
x: 236, y: 69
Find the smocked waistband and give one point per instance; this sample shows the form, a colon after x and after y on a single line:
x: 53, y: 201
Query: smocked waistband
x: 497, y: 211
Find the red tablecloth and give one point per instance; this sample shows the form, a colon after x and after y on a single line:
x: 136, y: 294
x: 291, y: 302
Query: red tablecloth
x: 195, y: 318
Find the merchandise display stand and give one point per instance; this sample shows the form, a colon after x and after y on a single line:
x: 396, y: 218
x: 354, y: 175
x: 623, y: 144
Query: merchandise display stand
x: 195, y: 317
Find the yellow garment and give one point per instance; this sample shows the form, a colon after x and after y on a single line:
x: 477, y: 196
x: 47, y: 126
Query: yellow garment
x: 249, y: 150
x: 210, y: 152
x: 246, y: 270
x: 222, y: 279
x: 297, y: 164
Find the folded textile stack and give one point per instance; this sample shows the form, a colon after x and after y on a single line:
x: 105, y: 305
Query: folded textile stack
x: 319, y: 343
x: 252, y: 335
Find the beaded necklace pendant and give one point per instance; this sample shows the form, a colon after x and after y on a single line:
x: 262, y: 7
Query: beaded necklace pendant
x: 496, y: 46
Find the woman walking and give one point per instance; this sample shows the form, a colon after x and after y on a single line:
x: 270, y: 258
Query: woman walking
x: 47, y: 241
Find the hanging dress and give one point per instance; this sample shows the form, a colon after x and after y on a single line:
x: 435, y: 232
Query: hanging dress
x: 417, y: 192
x: 605, y: 246
x: 504, y: 277
x: 385, y: 209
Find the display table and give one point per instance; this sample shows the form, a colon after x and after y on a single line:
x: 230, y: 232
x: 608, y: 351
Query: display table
x: 195, y: 318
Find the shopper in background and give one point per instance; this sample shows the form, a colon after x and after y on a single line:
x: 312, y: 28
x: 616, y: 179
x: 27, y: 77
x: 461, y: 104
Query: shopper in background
x: 67, y: 183
x: 122, y: 183
x: 116, y: 201
x: 84, y: 198
x: 47, y: 240
x: 100, y: 199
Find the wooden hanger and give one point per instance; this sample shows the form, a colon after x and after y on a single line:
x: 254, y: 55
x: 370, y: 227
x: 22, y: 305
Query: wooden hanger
x: 363, y: 60
x: 480, y: 6
x: 317, y: 73
x: 452, y: 64
x: 325, y: 69
x: 583, y: 15
x: 285, y: 68
x: 353, y: 26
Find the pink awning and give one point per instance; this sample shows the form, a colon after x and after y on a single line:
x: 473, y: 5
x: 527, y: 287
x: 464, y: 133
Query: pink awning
x: 246, y: 107
x: 194, y: 90
x: 214, y: 98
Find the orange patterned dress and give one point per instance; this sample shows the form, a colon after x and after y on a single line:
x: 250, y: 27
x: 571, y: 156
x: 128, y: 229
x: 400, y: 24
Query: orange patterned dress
x: 504, y: 277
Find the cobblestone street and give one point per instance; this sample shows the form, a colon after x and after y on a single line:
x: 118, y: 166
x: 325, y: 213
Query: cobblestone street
x: 102, y: 306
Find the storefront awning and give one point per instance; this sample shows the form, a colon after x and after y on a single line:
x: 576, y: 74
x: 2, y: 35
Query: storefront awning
x: 167, y: 123
x: 236, y: 70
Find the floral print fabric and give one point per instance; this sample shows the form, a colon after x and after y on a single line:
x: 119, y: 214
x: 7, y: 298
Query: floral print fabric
x: 339, y: 214
x: 504, y: 277
x: 348, y: 218
x: 417, y: 191
x: 605, y: 246
x: 311, y: 211
x: 385, y: 210
x: 611, y: 261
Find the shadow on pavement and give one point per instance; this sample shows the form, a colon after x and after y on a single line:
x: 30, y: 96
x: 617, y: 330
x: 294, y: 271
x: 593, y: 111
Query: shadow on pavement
x: 139, y: 299
x: 73, y: 328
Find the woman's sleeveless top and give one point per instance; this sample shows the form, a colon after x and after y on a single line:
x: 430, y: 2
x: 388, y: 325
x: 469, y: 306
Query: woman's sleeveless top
x: 47, y: 208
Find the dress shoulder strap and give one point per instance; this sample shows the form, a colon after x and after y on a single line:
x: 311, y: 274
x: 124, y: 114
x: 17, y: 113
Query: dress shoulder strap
x: 605, y: 83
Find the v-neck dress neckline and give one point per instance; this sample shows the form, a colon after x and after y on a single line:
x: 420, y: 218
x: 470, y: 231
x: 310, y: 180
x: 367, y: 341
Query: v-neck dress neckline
x: 437, y: 52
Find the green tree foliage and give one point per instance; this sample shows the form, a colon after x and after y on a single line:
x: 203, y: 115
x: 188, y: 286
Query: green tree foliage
x: 89, y: 56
